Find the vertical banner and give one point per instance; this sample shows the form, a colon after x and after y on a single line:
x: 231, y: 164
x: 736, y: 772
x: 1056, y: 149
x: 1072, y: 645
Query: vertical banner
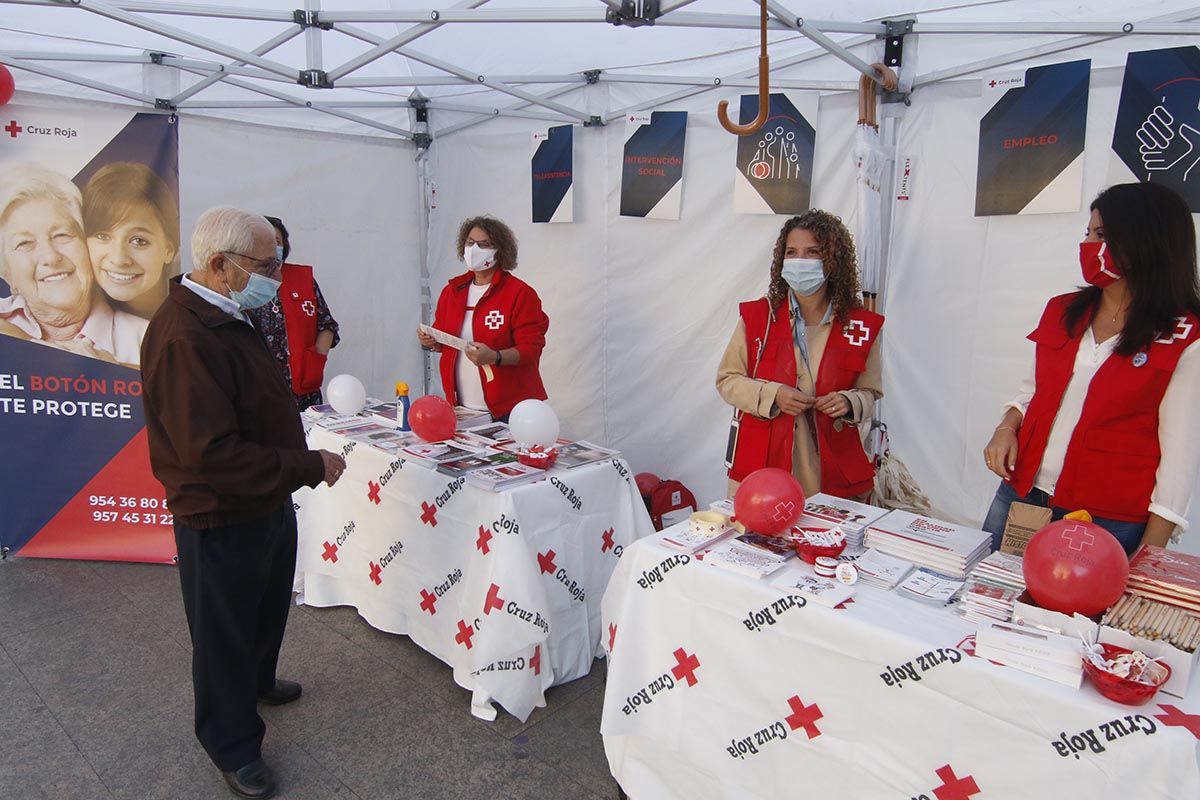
x: 1031, y: 140
x: 652, y: 170
x: 775, y: 165
x: 552, y: 175
x: 89, y: 236
x: 1157, y: 135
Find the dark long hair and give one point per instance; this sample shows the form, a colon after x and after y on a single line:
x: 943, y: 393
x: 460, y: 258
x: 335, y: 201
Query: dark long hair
x: 837, y: 252
x: 278, y: 225
x: 1151, y: 237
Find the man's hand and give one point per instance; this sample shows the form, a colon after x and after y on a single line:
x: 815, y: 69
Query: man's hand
x: 793, y: 401
x: 481, y: 355
x: 833, y: 404
x: 427, y: 341
x: 335, y: 465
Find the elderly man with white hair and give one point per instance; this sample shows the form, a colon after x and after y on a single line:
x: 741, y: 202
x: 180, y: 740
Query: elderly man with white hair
x: 227, y: 444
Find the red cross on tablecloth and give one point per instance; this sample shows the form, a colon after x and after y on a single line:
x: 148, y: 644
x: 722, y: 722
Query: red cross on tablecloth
x: 373, y: 492
x: 13, y: 129
x: 803, y: 716
x: 608, y: 541
x: 1176, y: 718
x: 428, y: 514
x: 685, y: 670
x: 535, y: 663
x: 465, y: 632
x: 481, y: 544
x: 953, y: 787
x: 612, y: 636
x: 375, y: 570
x: 427, y: 602
x: 330, y: 553
x: 546, y: 562
x: 493, y: 600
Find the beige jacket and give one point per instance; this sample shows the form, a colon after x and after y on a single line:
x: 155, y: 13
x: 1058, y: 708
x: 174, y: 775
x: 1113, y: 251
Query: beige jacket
x: 757, y: 397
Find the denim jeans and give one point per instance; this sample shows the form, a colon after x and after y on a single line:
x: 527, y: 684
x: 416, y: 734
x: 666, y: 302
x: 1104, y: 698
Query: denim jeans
x: 1129, y: 534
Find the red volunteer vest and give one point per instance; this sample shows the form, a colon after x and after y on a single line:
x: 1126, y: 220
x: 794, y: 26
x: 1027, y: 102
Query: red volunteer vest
x: 1113, y: 454
x: 298, y: 298
x: 508, y: 315
x: 845, y: 469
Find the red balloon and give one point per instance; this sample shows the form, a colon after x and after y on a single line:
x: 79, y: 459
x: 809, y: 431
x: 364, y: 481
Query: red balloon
x: 1075, y: 566
x: 646, y: 482
x: 7, y: 85
x: 769, y: 501
x: 432, y: 418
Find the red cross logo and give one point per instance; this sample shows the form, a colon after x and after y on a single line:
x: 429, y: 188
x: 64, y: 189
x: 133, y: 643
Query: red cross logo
x: 685, y: 669
x: 1078, y: 537
x: 428, y: 514
x: 612, y: 636
x: 1182, y: 329
x: 842, y: 605
x: 373, y: 492
x: 494, y: 320
x: 784, y: 511
x: 309, y: 308
x: 375, y: 570
x: 546, y: 562
x: 857, y: 339
x: 953, y: 787
x: 803, y: 716
x: 330, y: 553
x: 427, y: 602
x: 465, y: 632
x: 481, y: 544
x: 1176, y: 718
x: 992, y: 84
x: 493, y: 600
x: 907, y: 171
x: 535, y: 663
x: 608, y: 541
x: 13, y: 128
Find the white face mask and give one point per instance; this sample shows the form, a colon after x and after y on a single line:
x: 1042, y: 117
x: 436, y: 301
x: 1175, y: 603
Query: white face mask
x: 479, y: 259
x: 805, y: 276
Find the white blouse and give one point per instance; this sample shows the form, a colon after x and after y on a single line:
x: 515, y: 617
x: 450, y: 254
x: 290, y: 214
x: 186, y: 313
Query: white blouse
x: 1178, y: 426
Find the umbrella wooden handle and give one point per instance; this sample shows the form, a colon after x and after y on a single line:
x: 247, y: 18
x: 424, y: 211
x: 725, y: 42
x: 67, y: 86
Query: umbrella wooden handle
x: 764, y: 87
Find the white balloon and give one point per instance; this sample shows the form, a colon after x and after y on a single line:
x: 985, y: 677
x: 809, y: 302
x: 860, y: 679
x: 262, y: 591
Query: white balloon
x: 346, y: 394
x: 534, y: 422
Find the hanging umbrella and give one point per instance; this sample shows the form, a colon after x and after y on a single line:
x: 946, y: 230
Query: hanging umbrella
x: 870, y: 161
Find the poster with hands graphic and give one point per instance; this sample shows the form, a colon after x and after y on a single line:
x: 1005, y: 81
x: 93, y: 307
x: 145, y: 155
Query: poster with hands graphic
x: 1157, y: 133
x: 774, y: 167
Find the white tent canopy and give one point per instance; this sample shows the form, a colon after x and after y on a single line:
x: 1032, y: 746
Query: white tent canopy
x: 641, y: 309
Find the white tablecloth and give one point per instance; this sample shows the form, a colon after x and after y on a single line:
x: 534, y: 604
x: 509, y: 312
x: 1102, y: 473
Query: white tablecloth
x: 505, y: 587
x: 720, y: 686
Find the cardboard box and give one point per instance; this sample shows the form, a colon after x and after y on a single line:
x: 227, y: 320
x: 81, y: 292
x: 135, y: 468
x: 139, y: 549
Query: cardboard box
x: 1181, y: 662
x: 1025, y: 612
x: 1024, y: 520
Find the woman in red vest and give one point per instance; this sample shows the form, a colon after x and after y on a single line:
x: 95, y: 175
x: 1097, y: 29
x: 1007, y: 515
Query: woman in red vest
x: 501, y: 318
x: 802, y: 369
x: 297, y: 325
x: 1106, y: 420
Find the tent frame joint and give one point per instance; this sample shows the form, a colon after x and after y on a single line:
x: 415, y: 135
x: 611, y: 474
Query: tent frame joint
x: 628, y: 14
x: 594, y: 121
x: 310, y: 19
x: 592, y: 76
x: 420, y: 105
x: 314, y: 79
x: 422, y: 140
x: 165, y: 104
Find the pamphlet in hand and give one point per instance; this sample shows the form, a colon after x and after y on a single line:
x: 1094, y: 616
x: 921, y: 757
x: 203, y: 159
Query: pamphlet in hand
x: 443, y: 338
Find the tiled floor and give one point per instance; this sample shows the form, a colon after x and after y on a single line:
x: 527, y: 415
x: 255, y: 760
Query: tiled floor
x: 95, y: 702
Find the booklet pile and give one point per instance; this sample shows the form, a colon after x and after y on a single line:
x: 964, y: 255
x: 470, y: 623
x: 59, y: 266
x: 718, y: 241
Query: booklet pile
x: 992, y: 588
x: 853, y: 518
x: 943, y: 547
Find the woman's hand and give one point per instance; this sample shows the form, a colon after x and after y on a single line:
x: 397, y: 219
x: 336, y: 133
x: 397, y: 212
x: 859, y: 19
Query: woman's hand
x: 481, y: 355
x: 1000, y: 455
x: 793, y: 401
x: 427, y: 341
x: 834, y: 404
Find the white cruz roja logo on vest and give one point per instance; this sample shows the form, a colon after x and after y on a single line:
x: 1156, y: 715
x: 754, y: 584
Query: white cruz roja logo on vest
x: 1183, y: 329
x: 494, y: 320
x: 309, y: 308
x: 856, y: 332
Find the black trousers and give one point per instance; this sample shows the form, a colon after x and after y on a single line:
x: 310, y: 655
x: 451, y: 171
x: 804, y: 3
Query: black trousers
x: 237, y: 588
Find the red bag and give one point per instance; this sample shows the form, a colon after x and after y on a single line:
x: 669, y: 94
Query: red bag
x: 667, y: 497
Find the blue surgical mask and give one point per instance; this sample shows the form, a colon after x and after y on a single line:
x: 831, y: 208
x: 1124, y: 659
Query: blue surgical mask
x: 279, y: 252
x: 258, y: 292
x: 805, y: 276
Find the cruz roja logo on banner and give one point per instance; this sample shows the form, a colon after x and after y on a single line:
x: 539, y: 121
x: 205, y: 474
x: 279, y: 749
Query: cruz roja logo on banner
x: 769, y: 615
x: 656, y: 575
x: 802, y: 717
x: 912, y: 671
x: 330, y: 549
x: 1094, y: 739
x: 429, y: 599
x: 684, y: 672
x: 395, y: 549
x: 15, y: 129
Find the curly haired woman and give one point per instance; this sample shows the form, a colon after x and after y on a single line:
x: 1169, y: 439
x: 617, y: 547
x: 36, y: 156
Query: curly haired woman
x: 802, y: 369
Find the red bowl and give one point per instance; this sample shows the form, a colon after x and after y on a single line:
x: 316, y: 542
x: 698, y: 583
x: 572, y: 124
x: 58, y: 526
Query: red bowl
x: 542, y: 460
x: 1118, y: 689
x: 811, y: 552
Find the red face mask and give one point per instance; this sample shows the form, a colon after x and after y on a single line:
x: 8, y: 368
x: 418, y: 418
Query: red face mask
x: 1098, y: 267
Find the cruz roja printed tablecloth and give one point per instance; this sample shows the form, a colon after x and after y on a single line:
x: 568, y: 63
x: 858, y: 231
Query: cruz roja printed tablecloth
x: 724, y: 686
x: 504, y: 587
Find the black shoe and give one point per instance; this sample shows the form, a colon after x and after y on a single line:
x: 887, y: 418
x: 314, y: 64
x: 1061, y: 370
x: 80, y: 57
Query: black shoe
x: 281, y: 693
x: 253, y: 780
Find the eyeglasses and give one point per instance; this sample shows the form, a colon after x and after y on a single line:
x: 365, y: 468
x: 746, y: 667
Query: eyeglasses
x: 267, y: 267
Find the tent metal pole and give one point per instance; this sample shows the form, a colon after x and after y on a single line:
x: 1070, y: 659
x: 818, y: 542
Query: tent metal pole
x: 453, y: 80
x: 668, y: 6
x: 286, y: 36
x: 493, y: 111
x: 702, y: 19
x: 182, y: 9
x: 470, y: 123
x: 137, y: 21
x: 814, y: 34
x: 1059, y: 46
x: 91, y: 84
x: 683, y: 80
x: 1131, y: 28
x: 469, y: 16
x: 385, y: 46
x: 312, y: 38
x: 98, y: 58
